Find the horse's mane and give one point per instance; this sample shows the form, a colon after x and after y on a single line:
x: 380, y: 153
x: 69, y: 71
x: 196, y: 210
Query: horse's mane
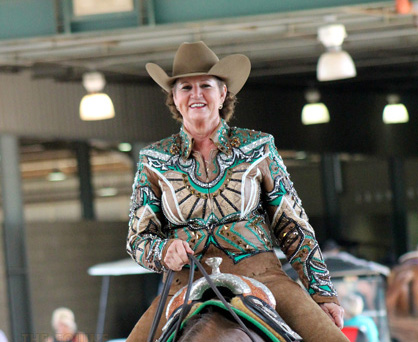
x: 214, y: 327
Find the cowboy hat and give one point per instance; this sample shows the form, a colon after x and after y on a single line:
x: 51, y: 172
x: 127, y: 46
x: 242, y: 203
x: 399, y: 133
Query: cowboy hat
x: 196, y: 59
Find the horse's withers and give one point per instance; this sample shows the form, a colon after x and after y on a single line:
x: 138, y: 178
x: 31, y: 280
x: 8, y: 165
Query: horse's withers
x: 251, y: 300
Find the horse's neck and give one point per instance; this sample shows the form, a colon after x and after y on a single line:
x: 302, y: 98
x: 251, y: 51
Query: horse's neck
x: 214, y: 327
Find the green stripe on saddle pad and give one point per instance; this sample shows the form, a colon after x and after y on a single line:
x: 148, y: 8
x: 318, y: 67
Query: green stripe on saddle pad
x: 200, y: 306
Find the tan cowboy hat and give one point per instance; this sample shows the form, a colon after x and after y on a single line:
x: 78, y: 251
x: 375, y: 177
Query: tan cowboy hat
x: 195, y: 59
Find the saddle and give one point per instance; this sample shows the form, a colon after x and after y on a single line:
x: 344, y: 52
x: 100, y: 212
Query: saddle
x: 247, y: 301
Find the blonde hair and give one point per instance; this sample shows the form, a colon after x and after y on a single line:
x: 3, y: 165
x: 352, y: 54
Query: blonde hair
x: 64, y: 316
x: 353, y: 304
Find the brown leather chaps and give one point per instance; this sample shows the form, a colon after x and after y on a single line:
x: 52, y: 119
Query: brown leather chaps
x: 294, y: 304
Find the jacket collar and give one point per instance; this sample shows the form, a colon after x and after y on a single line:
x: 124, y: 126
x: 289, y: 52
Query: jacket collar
x: 220, y: 138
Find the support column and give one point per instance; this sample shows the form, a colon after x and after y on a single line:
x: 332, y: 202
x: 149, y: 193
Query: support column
x: 399, y: 211
x: 14, y: 239
x: 332, y: 187
x: 84, y: 174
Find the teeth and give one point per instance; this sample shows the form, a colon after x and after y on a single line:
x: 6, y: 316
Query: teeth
x: 194, y: 105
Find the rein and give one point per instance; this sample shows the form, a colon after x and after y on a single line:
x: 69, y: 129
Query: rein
x: 164, y: 295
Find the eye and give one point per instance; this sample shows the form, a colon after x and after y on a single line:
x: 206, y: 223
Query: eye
x: 186, y: 87
x: 206, y: 85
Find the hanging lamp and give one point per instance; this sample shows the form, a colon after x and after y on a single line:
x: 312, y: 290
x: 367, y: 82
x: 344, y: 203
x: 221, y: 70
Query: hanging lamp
x: 96, y: 105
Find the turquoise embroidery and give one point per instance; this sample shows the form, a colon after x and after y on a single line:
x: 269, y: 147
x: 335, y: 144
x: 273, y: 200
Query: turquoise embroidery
x: 219, y: 202
x: 198, y: 173
x: 186, y: 143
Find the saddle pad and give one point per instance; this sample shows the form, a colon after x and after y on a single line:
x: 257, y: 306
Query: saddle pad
x: 271, y: 328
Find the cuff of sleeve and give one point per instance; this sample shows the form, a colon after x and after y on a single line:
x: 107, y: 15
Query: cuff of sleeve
x: 155, y: 254
x: 322, y: 299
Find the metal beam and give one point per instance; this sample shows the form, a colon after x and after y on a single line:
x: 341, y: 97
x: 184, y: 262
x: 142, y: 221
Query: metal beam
x: 84, y: 174
x: 14, y: 239
x: 264, y: 38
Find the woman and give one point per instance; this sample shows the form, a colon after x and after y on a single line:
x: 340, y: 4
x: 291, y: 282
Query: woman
x: 65, y: 328
x: 212, y: 190
x: 353, y: 306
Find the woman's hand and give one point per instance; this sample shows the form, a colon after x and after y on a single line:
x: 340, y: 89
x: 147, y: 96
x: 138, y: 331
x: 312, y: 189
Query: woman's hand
x: 176, y: 255
x: 335, y: 312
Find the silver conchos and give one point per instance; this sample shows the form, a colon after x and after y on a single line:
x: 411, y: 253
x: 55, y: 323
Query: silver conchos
x: 234, y: 283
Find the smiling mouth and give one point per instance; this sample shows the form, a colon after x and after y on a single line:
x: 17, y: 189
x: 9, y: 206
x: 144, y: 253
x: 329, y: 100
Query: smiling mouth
x: 197, y: 105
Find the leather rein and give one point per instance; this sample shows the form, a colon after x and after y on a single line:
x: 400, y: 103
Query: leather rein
x: 164, y: 296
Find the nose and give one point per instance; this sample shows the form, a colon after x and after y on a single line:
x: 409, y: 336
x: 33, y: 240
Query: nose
x: 196, y: 91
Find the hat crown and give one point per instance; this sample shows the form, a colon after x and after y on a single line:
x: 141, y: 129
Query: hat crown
x: 193, y: 58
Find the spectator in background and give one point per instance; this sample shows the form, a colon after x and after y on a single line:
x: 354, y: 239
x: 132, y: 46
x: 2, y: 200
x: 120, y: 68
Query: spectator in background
x: 353, y: 305
x: 65, y: 328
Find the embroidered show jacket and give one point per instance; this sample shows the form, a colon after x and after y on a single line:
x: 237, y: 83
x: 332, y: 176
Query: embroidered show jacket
x: 242, y: 202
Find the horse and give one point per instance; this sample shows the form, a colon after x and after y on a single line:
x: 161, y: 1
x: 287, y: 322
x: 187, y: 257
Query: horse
x: 402, y: 292
x: 221, y: 307
x: 402, y: 298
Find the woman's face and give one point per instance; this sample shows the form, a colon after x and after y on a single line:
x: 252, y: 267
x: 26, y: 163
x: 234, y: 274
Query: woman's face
x: 198, y: 98
x: 63, y: 329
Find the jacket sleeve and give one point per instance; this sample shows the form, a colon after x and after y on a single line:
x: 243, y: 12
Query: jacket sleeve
x: 146, y: 240
x: 290, y: 226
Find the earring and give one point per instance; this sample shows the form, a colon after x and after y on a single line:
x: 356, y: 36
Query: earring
x: 221, y: 106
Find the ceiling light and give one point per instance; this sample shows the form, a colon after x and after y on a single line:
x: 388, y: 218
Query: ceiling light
x: 335, y: 63
x: 125, y: 147
x: 395, y: 112
x: 56, y: 176
x: 301, y: 155
x: 314, y: 112
x: 95, y: 105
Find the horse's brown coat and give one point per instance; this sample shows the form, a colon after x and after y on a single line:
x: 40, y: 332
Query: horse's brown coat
x: 213, y: 327
x: 402, y: 299
x: 402, y: 293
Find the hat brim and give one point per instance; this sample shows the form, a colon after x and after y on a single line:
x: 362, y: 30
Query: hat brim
x: 233, y: 69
